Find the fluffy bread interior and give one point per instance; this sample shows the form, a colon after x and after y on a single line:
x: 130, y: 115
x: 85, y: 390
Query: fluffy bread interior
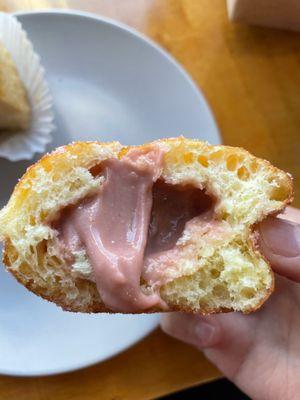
x: 214, y: 273
x: 14, y: 104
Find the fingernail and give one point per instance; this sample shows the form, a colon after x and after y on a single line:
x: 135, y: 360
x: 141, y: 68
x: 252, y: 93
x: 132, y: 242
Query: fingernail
x: 280, y: 236
x: 205, y: 334
x: 198, y: 331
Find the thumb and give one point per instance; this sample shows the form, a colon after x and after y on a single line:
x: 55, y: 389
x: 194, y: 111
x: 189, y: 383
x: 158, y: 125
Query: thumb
x: 280, y: 243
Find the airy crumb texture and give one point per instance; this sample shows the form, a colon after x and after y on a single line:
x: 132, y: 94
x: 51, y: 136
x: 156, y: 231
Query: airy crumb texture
x: 218, y: 270
x: 14, y: 104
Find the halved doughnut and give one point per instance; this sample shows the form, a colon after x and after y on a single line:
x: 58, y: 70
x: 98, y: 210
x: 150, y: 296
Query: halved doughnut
x: 170, y: 225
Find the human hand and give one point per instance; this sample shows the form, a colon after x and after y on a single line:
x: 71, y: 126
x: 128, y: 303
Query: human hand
x: 259, y: 352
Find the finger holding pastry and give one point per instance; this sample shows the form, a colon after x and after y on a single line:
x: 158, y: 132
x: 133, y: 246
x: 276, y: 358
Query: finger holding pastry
x: 252, y: 350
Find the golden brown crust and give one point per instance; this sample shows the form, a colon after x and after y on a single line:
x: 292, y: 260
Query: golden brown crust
x: 78, y: 148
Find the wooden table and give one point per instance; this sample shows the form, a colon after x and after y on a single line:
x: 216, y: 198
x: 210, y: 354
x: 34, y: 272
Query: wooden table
x: 251, y: 78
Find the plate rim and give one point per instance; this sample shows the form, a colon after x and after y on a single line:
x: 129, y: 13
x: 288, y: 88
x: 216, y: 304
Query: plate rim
x: 214, y: 130
x: 81, y: 365
x: 143, y: 38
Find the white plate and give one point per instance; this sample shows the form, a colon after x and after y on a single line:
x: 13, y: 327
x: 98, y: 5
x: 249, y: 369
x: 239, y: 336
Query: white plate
x: 108, y: 82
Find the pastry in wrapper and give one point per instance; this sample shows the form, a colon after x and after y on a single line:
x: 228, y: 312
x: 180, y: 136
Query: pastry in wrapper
x: 14, y: 104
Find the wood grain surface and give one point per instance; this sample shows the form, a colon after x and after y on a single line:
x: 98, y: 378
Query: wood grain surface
x: 251, y: 79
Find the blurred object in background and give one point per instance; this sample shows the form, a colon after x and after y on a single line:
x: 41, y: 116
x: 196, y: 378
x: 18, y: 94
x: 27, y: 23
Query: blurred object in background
x: 19, y: 5
x: 283, y: 14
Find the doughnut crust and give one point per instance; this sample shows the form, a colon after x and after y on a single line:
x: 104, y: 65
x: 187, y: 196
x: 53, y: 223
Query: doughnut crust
x: 217, y: 271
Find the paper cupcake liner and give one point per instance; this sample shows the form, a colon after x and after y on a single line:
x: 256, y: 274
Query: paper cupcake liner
x: 23, y: 145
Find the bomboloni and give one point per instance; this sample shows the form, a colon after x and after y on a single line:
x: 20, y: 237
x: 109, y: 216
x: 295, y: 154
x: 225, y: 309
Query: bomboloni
x: 170, y: 225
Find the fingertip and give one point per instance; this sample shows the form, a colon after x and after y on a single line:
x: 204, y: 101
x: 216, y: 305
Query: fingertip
x: 279, y: 241
x: 193, y: 329
x: 176, y: 324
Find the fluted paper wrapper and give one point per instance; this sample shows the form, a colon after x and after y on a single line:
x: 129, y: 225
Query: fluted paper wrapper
x: 24, y: 144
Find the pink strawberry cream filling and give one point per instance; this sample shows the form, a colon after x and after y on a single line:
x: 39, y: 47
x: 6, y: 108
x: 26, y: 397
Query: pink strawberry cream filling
x: 133, y: 219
